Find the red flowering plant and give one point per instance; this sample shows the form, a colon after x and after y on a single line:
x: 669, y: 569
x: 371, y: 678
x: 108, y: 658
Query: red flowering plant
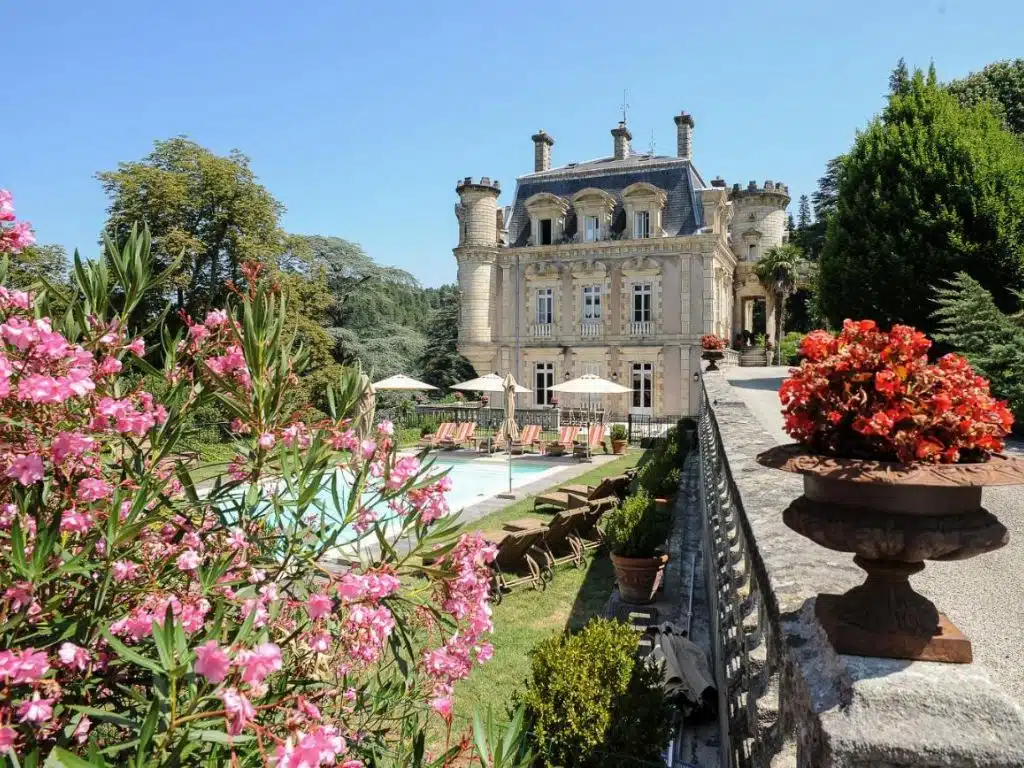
x: 711, y: 342
x: 269, y: 619
x: 871, y: 394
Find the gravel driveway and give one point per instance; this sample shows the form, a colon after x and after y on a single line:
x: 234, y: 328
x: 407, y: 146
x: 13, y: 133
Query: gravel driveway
x: 983, y: 596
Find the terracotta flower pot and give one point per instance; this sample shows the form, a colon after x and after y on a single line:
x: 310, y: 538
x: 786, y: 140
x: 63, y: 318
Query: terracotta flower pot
x: 712, y: 356
x: 639, y: 577
x: 619, y: 447
x: 893, y: 517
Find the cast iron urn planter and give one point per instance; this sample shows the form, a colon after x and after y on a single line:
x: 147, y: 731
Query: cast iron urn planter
x: 712, y: 356
x: 893, y: 517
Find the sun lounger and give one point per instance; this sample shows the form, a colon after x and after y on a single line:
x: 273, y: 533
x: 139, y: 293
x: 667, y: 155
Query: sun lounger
x: 573, y: 496
x: 566, y: 438
x: 588, y: 532
x: 463, y: 434
x: 529, y: 437
x: 513, y: 565
x: 561, y: 543
x: 594, y: 440
x: 443, y: 431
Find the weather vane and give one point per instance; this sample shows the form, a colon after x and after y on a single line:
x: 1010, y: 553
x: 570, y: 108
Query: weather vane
x: 652, y: 144
x: 625, y: 106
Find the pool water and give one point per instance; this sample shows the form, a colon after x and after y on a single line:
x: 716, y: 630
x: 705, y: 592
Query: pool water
x: 474, y: 481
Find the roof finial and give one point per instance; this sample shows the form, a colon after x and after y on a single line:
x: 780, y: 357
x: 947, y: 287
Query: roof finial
x: 624, y: 106
x: 651, y: 150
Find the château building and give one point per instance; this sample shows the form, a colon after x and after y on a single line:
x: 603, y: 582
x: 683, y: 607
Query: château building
x: 615, y: 266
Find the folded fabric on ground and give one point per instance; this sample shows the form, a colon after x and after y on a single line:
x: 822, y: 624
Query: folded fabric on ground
x: 686, y: 673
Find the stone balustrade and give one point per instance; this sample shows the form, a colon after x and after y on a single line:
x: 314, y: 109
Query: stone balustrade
x: 641, y: 328
x: 786, y: 698
x: 590, y: 329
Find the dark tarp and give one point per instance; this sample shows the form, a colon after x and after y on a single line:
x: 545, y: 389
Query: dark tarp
x: 686, y: 674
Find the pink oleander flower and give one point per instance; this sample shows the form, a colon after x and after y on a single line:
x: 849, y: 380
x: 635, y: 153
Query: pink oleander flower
x: 125, y: 570
x: 81, y: 732
x: 443, y: 706
x: 137, y: 347
x: 74, y: 521
x: 72, y: 444
x: 318, y: 605
x: 319, y: 641
x: 188, y: 560
x: 35, y: 710
x: 94, y: 489
x: 404, y: 470
x: 266, y: 441
x: 28, y: 666
x: 6, y: 205
x: 26, y: 469
x: 259, y: 662
x: 240, y: 711
x: 74, y: 656
x: 110, y: 366
x: 368, y: 448
x: 20, y: 236
x: 215, y: 318
x: 211, y: 662
x: 321, y: 746
x: 8, y: 739
x: 386, y: 427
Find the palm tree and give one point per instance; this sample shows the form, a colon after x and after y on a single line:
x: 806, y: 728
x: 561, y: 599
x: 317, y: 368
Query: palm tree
x: 778, y: 272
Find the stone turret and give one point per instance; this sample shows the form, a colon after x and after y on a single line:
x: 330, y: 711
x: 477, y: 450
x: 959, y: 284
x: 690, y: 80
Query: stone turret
x: 477, y: 212
x: 759, y: 218
x: 542, y: 144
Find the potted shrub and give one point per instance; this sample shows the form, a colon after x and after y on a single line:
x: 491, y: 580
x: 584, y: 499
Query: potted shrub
x: 635, y: 532
x: 713, y: 347
x: 894, y: 452
x: 619, y: 438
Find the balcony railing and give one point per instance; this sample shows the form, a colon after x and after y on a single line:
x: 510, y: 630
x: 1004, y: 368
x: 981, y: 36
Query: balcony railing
x: 542, y: 330
x: 641, y: 328
x: 590, y: 329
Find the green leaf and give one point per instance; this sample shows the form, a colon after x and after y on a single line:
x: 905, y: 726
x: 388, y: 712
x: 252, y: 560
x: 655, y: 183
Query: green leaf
x: 219, y: 737
x: 61, y: 758
x: 146, y: 735
x: 124, y: 652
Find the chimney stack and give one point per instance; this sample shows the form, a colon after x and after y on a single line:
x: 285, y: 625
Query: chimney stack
x: 622, y: 137
x: 684, y: 135
x: 542, y: 144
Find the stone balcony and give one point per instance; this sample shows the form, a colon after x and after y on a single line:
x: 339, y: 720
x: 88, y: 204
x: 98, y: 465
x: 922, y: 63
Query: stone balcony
x: 591, y: 329
x: 542, y: 330
x: 641, y: 328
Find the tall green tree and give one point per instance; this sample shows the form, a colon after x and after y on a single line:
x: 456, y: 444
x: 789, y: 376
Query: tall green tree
x: 38, y: 264
x: 1001, y: 85
x: 929, y: 189
x: 899, y: 80
x: 778, y: 272
x: 970, y: 322
x: 442, y: 365
x: 803, y: 218
x: 208, y: 208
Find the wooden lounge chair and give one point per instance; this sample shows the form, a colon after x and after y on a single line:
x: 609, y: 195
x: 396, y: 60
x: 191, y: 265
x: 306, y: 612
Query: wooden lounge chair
x: 529, y: 437
x: 513, y: 565
x: 462, y: 433
x: 443, y: 431
x: 574, y: 496
x: 566, y: 438
x: 588, y: 533
x: 614, y: 485
x: 594, y: 439
x: 562, y: 542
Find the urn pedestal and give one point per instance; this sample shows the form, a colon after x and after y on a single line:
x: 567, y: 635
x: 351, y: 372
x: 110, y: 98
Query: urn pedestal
x: 712, y: 356
x: 892, y: 518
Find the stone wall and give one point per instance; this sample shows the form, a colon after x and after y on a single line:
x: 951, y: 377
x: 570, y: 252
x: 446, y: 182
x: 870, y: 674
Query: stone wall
x: 790, y: 699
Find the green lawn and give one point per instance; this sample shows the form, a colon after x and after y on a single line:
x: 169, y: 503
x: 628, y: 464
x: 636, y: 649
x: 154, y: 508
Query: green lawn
x: 527, y: 616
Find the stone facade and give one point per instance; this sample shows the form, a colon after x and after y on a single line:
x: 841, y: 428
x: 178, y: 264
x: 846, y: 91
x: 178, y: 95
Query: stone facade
x: 615, y: 267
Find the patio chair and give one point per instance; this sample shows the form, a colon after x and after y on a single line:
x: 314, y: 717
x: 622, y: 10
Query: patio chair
x: 463, y: 433
x: 561, y: 543
x: 564, y: 443
x: 588, y: 533
x: 594, y: 439
x: 529, y: 437
x: 513, y: 565
x: 443, y: 430
x: 574, y: 496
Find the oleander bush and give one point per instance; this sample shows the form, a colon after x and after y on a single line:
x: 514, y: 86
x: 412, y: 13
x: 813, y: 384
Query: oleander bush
x: 591, y: 703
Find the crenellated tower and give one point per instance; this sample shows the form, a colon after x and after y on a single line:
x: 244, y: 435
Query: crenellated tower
x: 758, y: 220
x: 479, y: 237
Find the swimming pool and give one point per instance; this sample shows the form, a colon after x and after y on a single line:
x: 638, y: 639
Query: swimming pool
x: 474, y: 481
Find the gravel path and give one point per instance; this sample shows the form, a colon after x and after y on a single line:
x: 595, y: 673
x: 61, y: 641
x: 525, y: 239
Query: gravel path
x: 983, y: 596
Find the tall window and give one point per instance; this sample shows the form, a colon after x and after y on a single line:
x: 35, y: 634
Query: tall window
x: 751, y: 252
x: 545, y: 306
x: 543, y: 380
x: 641, y: 224
x: 592, y: 302
x: 641, y: 302
x: 592, y: 228
x: 545, y: 231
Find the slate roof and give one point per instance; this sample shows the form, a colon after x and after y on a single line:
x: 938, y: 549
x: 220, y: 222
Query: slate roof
x: 683, y: 214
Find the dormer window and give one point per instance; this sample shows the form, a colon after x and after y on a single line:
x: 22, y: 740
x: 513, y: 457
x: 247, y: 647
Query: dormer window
x: 592, y: 231
x: 641, y: 224
x: 547, y: 218
x: 594, y: 209
x: 644, y: 204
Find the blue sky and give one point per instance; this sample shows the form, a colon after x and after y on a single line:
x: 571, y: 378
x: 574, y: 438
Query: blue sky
x: 360, y: 117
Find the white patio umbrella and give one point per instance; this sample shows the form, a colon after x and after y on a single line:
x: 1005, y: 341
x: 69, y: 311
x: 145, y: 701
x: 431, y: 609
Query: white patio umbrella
x: 589, y: 384
x: 402, y: 382
x: 509, y: 428
x: 492, y: 382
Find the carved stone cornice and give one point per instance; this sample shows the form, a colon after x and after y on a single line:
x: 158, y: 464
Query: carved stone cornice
x: 587, y: 269
x: 544, y: 270
x: 474, y: 255
x: 641, y: 265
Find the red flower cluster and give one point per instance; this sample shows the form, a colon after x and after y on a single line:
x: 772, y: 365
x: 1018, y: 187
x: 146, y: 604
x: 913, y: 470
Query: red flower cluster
x: 870, y: 394
x: 711, y: 342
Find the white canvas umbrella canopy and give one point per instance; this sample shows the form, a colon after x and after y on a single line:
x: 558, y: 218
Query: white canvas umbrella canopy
x: 402, y: 382
x: 492, y: 382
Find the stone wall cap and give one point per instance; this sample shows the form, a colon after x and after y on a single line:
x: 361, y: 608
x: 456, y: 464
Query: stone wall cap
x: 1000, y: 469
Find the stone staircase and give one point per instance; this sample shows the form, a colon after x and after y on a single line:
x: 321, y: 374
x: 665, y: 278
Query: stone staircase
x: 751, y: 357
